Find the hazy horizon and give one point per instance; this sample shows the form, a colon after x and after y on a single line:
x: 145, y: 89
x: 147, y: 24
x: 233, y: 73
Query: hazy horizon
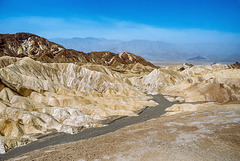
x: 135, y: 39
x: 156, y: 50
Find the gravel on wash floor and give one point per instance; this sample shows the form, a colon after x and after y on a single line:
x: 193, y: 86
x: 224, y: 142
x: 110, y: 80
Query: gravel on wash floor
x: 207, y: 134
x: 61, y: 138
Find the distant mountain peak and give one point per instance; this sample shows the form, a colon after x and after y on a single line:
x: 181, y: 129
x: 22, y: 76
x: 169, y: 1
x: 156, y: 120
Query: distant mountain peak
x: 197, y: 58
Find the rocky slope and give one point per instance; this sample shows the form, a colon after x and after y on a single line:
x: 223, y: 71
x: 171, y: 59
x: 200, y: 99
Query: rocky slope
x: 45, y: 87
x: 40, y: 97
x: 235, y: 65
x: 38, y: 48
x: 217, y: 83
x: 207, y: 134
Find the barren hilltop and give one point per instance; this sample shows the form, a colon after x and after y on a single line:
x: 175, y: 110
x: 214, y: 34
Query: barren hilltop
x: 40, y: 49
x: 47, y: 88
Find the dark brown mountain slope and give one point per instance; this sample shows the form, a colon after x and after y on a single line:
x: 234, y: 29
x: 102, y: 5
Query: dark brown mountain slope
x: 235, y: 65
x: 38, y: 48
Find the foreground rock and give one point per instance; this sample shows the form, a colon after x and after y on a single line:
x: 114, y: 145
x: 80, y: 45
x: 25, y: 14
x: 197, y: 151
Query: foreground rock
x: 211, y: 133
x: 38, y: 98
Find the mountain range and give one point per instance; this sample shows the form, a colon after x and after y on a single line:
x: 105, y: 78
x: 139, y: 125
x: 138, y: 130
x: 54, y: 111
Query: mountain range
x: 40, y: 49
x: 157, y: 50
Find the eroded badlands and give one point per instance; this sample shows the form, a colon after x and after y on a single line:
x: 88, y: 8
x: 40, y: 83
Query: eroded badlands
x: 46, y: 88
x: 211, y: 133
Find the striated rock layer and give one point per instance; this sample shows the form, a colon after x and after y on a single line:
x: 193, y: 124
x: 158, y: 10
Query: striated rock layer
x: 45, y: 87
x: 38, y: 97
x: 208, y: 134
x: 216, y: 83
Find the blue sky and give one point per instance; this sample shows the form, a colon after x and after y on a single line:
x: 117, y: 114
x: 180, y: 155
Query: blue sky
x: 165, y: 20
